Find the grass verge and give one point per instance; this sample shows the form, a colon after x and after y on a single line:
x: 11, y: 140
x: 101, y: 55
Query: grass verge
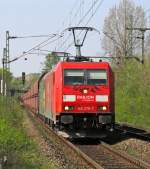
x: 20, y: 150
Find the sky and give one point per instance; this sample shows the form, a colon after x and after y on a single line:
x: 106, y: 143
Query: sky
x: 46, y: 17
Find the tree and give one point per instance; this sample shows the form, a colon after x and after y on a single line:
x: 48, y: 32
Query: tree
x: 50, y: 61
x: 117, y: 39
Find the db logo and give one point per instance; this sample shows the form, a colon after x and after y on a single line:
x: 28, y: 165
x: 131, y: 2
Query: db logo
x: 85, y: 98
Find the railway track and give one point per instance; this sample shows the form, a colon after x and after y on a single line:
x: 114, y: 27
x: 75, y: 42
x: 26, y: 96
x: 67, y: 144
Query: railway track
x: 75, y: 155
x: 133, y: 131
x: 108, y: 158
x: 92, y: 156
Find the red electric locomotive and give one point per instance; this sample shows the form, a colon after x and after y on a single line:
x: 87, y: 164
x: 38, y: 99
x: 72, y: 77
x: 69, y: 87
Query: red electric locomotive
x: 79, y: 94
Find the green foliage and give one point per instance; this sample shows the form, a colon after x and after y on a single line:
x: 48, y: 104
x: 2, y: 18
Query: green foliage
x: 6, y: 73
x: 16, y: 83
x: 133, y: 93
x: 51, y: 59
x: 11, y: 139
x: 14, y: 143
x: 31, y: 79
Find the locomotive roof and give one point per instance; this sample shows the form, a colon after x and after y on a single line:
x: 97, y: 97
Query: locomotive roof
x: 78, y: 65
x: 83, y: 64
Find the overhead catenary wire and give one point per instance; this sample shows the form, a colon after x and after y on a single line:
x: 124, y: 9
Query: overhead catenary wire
x: 81, y: 20
x: 70, y: 22
x: 87, y: 12
x: 43, y: 50
x: 78, y: 10
x: 69, y: 16
x: 66, y: 18
x: 38, y: 53
x: 29, y: 36
x: 93, y: 14
x: 37, y: 46
x: 42, y: 46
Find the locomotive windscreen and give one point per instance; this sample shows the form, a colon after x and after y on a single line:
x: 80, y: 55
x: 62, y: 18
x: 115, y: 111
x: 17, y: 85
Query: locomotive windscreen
x: 73, y: 77
x: 85, y: 77
x: 96, y: 77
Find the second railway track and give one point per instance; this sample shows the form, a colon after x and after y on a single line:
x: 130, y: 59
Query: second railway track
x: 133, y: 131
x: 111, y: 159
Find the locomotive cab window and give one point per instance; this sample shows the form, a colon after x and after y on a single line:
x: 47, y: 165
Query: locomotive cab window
x: 73, y: 76
x: 96, y: 77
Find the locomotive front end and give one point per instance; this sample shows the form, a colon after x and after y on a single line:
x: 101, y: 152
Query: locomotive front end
x: 87, y: 95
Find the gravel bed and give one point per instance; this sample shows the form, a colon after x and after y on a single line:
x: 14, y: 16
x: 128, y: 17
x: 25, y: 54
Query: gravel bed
x: 137, y: 148
x: 48, y: 148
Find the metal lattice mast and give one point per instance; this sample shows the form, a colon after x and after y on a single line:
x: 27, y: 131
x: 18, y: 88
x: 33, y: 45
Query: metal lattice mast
x: 4, y: 72
x: 7, y: 51
x: 143, y: 30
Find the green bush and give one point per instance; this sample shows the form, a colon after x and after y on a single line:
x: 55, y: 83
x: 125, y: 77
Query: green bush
x: 133, y: 93
x: 20, y: 150
x: 11, y: 139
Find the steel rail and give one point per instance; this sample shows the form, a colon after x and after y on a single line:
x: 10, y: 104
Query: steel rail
x: 133, y: 131
x: 85, y: 158
x: 51, y: 133
x: 131, y: 159
x: 112, y: 159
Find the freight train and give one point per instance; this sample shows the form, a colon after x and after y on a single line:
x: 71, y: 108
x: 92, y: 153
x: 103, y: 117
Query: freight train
x: 76, y: 94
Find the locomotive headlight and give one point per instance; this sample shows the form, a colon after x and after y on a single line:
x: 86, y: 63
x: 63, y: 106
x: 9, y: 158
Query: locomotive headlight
x: 66, y: 108
x: 85, y: 91
x: 69, y: 98
x: 102, y: 98
x: 104, y: 108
